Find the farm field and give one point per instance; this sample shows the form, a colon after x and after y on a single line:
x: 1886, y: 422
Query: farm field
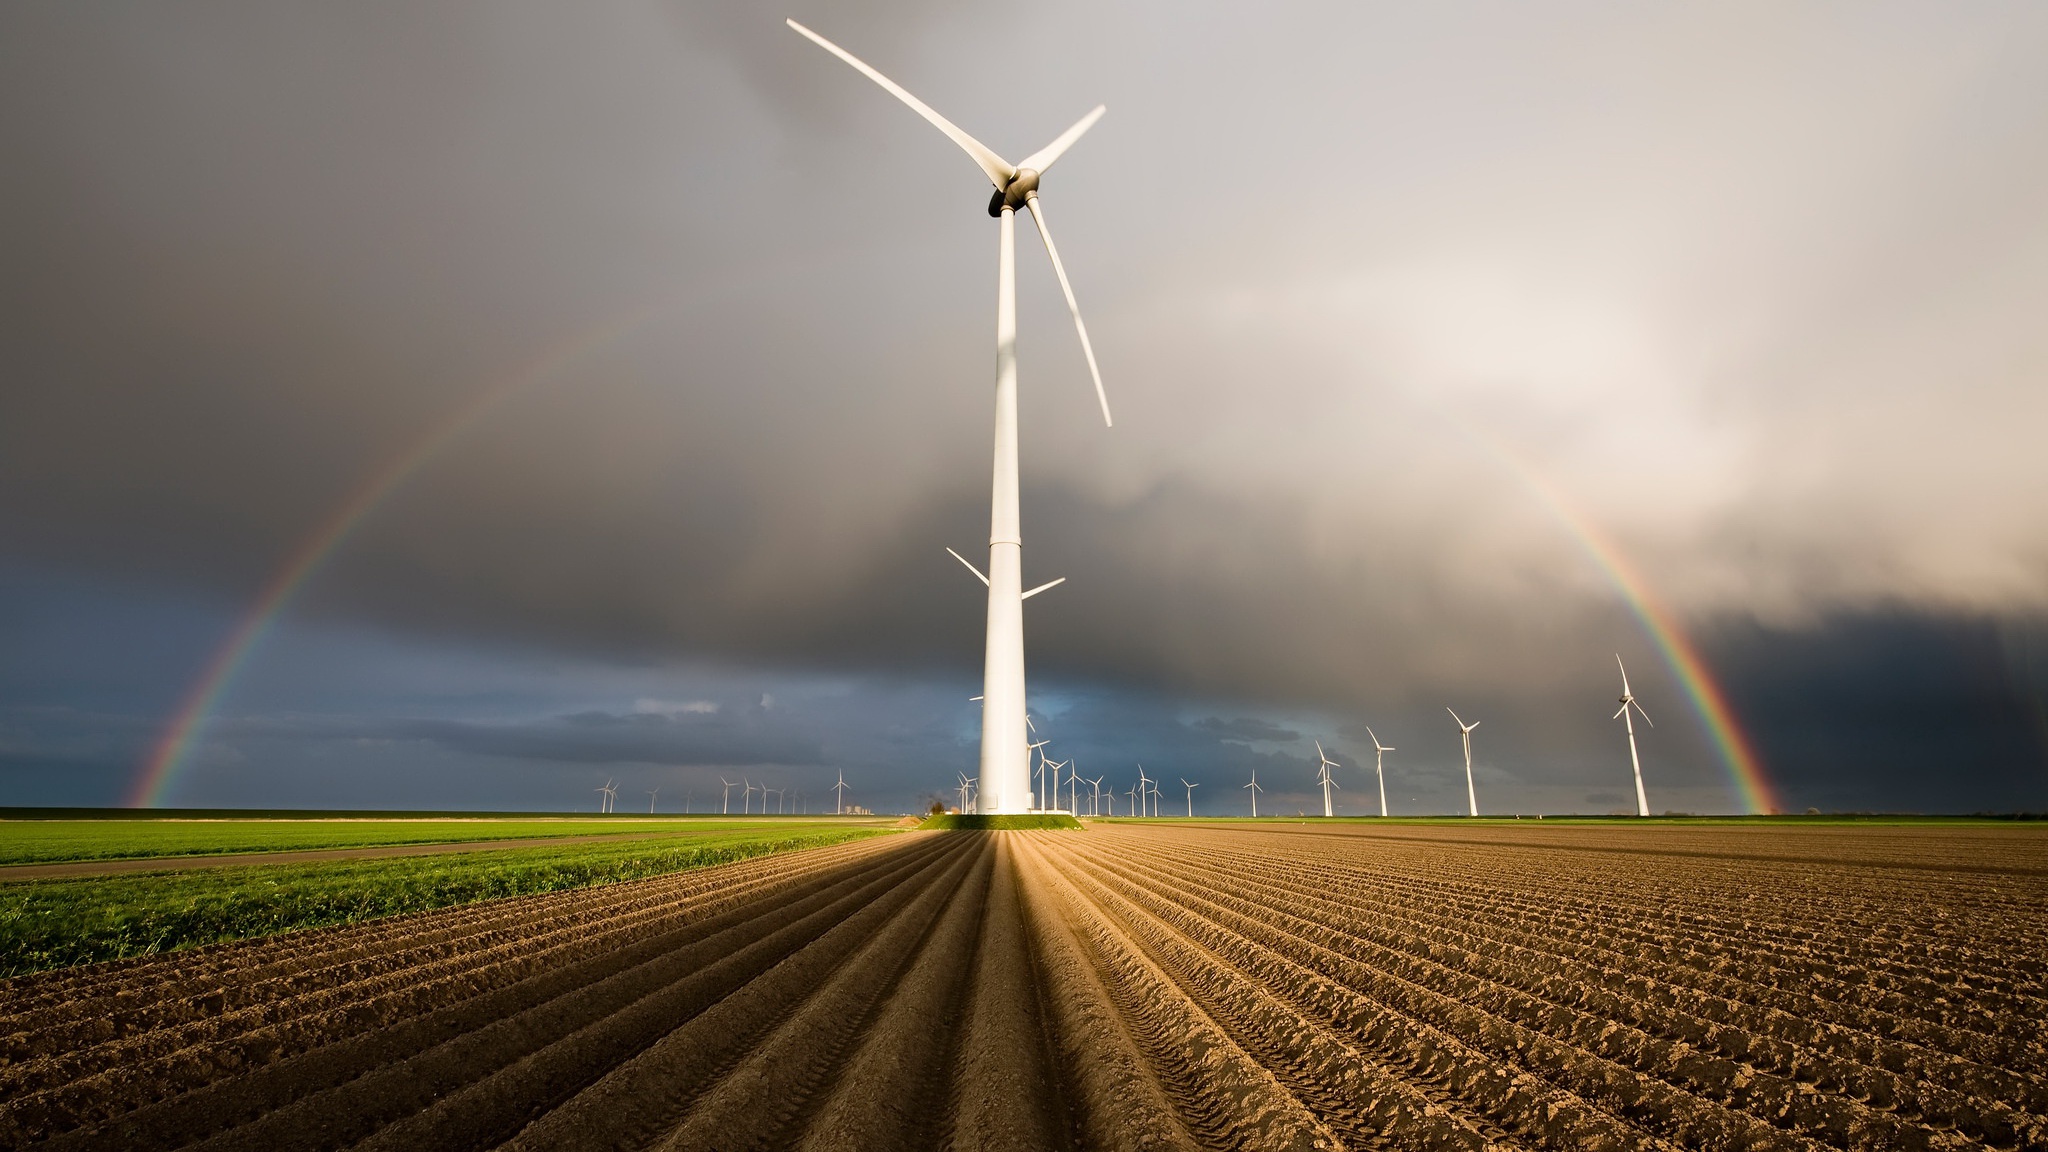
x: 50, y: 923
x: 42, y: 841
x: 1177, y: 986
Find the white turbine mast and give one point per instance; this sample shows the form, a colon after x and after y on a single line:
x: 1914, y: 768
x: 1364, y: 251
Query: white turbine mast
x: 1191, y: 796
x: 1379, y: 764
x: 1628, y: 701
x: 725, y: 798
x: 1005, y: 764
x: 1324, y: 778
x: 1144, y: 793
x: 1465, y: 731
x: 1254, y: 786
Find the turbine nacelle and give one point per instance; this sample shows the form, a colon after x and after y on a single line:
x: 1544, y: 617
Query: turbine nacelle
x: 1023, y: 187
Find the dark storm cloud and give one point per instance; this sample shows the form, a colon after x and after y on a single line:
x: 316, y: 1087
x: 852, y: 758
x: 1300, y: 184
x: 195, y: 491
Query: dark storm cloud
x: 596, y: 737
x: 1730, y: 282
x: 1246, y: 730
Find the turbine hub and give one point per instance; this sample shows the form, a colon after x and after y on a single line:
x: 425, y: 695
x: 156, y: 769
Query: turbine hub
x: 1022, y: 187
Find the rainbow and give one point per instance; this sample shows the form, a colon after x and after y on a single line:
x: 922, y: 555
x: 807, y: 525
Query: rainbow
x: 167, y: 757
x: 160, y: 771
x: 1753, y: 788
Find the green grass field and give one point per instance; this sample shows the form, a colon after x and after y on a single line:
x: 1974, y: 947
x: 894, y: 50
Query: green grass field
x: 43, y: 841
x: 57, y: 923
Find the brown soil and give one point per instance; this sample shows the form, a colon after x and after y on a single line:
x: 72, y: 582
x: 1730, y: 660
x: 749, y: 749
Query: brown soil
x: 1129, y: 987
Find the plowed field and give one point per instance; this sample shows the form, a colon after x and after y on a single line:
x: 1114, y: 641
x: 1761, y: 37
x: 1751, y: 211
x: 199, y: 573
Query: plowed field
x: 1122, y: 987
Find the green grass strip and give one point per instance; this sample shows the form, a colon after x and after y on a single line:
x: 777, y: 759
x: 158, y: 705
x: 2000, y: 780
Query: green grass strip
x: 998, y: 823
x: 59, y: 923
x: 55, y: 841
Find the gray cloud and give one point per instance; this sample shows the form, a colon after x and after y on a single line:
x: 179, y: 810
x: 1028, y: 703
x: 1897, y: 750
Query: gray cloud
x: 1387, y: 318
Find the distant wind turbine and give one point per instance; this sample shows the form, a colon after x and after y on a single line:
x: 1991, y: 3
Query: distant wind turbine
x: 1005, y: 770
x: 652, y: 793
x: 1465, y: 730
x: 1324, y: 778
x: 725, y: 800
x: 1254, y: 786
x: 1379, y: 763
x: 1191, y: 796
x: 1628, y: 701
x: 1095, y: 799
x: 839, y: 807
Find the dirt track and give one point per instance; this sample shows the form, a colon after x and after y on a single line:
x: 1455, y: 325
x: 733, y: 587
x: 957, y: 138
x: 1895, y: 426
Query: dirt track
x: 1123, y: 987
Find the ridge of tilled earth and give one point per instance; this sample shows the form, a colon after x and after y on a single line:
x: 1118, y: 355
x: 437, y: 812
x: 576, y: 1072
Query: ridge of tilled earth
x: 1123, y: 987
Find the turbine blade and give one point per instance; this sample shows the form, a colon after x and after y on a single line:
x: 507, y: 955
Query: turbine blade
x: 1043, y: 587
x: 1624, y: 673
x: 1042, y: 159
x: 1619, y: 711
x: 970, y: 567
x: 1060, y: 270
x: 992, y: 165
x: 1643, y: 714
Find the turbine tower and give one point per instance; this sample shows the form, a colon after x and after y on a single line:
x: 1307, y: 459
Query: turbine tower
x: 725, y: 798
x: 1005, y: 766
x: 839, y: 807
x: 1379, y: 763
x: 1465, y: 730
x: 1254, y: 786
x: 652, y: 793
x: 1628, y: 701
x: 1191, y: 796
x: 1323, y: 778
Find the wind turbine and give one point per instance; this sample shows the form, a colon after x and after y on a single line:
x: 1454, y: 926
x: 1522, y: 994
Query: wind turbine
x: 746, y: 796
x: 1191, y: 796
x: 1073, y: 790
x: 966, y: 786
x: 1144, y: 791
x: 1379, y: 763
x: 1037, y: 801
x: 1628, y: 701
x: 725, y: 798
x: 1254, y: 786
x: 604, y: 795
x: 1005, y: 765
x: 1095, y: 800
x: 839, y: 807
x: 1323, y: 777
x: 1465, y: 730
x: 652, y: 793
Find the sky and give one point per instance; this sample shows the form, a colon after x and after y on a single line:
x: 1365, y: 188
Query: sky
x: 455, y: 405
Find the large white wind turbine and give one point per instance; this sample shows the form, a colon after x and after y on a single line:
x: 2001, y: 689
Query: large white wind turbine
x: 1628, y: 701
x: 839, y: 805
x: 1465, y: 730
x: 725, y: 799
x: 1379, y: 763
x: 1191, y: 796
x: 1323, y: 777
x: 1254, y: 786
x: 1005, y: 764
